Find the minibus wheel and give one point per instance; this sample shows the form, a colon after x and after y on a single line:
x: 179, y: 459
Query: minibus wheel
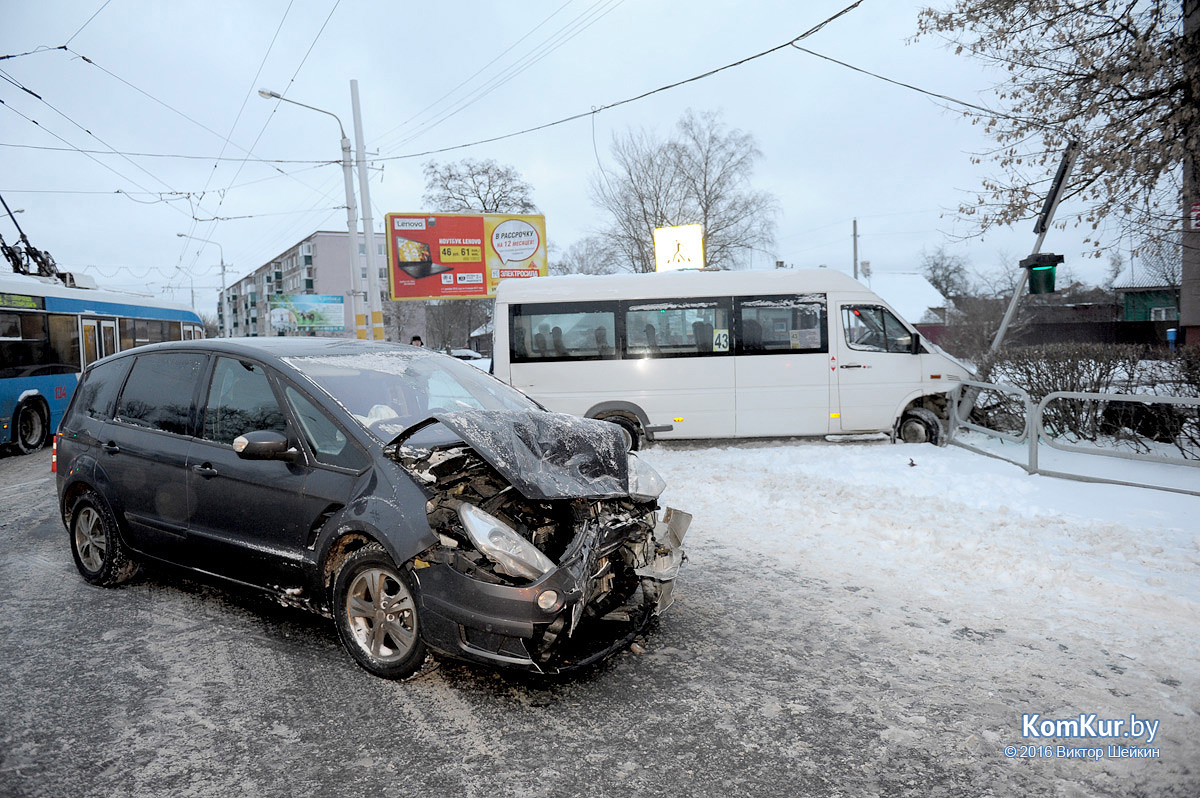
x: 919, y: 425
x: 631, y: 431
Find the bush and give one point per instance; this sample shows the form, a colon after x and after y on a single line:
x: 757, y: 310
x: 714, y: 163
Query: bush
x: 1077, y: 368
x: 1101, y: 368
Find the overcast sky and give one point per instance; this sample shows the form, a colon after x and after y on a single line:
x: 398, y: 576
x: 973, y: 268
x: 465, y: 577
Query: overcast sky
x: 178, y: 81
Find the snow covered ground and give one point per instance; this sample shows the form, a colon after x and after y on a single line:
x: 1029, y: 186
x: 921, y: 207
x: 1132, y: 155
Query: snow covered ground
x: 1035, y: 561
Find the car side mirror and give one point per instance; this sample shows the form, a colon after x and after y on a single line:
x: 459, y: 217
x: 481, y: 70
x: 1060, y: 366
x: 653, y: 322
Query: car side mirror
x: 915, y: 345
x: 264, y: 444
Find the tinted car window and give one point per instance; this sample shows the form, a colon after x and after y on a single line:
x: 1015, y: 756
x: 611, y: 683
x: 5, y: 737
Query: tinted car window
x: 329, y: 444
x: 160, y: 390
x: 240, y: 400
x: 100, y: 388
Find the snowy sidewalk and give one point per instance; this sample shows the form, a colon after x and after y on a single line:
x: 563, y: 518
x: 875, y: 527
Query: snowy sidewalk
x: 1087, y: 595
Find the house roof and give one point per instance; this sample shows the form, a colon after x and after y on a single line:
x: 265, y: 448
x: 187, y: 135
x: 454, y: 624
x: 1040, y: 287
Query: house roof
x: 1134, y: 279
x: 908, y: 292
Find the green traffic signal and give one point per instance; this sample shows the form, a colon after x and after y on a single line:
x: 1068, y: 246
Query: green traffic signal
x: 1041, y: 272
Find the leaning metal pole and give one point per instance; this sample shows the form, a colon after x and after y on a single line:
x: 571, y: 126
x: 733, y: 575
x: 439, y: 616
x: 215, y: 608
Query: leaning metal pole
x: 1040, y: 227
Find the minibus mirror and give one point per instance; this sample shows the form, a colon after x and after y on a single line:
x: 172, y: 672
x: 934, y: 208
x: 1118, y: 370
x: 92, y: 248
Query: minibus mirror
x: 915, y: 346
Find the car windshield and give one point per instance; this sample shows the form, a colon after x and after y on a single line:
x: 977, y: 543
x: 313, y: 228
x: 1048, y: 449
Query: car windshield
x: 390, y: 391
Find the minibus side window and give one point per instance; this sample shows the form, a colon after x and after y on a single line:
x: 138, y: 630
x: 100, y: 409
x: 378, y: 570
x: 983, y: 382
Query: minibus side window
x: 875, y: 329
x: 792, y: 324
x: 562, y: 331
x: 676, y: 328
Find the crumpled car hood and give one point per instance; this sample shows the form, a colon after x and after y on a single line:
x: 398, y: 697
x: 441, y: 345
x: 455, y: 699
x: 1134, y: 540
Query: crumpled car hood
x: 542, y: 455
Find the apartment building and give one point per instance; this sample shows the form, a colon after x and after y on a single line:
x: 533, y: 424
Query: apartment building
x: 318, y: 264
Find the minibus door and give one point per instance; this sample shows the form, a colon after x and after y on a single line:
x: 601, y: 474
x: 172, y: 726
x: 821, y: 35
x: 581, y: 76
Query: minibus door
x: 874, y: 364
x: 783, y: 380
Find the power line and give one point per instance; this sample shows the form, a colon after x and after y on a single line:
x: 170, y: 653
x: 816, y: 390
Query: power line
x: 228, y: 138
x: 64, y: 141
x: 476, y: 73
x: 642, y: 96
x: 89, y: 21
x: 563, y: 35
x: 169, y: 107
x: 168, y: 155
x: 111, y: 149
x: 34, y: 51
x: 946, y: 97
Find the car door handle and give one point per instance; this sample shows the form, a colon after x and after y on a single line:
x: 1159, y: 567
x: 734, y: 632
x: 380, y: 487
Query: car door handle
x: 111, y: 448
x: 851, y: 366
x: 205, y: 470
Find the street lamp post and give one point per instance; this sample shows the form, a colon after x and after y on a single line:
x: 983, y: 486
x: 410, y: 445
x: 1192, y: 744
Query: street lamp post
x: 374, y: 303
x: 224, y: 298
x: 360, y: 323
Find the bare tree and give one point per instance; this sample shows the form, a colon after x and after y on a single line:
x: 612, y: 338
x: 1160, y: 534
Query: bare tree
x: 471, y: 186
x: 946, y: 272
x: 1119, y: 77
x: 1160, y: 259
x: 590, y: 255
x: 1116, y: 265
x: 211, y: 328
x: 701, y: 176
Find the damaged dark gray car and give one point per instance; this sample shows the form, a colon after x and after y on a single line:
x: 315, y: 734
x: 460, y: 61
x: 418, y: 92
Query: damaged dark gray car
x: 422, y: 504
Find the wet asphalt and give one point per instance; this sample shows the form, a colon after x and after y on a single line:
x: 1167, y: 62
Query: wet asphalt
x: 760, y: 681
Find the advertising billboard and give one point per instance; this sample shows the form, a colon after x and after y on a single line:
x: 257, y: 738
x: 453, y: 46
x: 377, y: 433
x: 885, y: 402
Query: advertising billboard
x: 308, y: 313
x: 460, y: 255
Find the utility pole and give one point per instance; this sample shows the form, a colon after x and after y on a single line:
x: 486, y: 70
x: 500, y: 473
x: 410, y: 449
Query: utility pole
x: 357, y: 299
x: 856, y: 249
x: 1189, y: 289
x: 374, y: 301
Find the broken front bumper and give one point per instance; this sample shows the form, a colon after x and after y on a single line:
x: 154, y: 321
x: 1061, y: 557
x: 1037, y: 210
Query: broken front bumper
x: 506, y: 625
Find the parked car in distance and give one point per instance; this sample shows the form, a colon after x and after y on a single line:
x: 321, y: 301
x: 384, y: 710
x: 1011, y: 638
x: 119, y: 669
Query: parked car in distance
x: 419, y: 502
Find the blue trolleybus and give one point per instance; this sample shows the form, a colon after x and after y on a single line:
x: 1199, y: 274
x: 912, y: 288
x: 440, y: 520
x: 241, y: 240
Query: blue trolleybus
x: 49, y: 333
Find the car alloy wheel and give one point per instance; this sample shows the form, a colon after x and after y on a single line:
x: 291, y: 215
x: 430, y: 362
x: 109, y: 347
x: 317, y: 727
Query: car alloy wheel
x: 376, y: 614
x: 96, y: 545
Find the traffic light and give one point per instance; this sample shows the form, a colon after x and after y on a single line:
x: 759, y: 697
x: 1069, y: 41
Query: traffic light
x: 1041, y: 272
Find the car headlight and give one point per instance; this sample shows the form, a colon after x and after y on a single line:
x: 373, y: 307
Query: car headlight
x: 500, y: 543
x: 645, y: 484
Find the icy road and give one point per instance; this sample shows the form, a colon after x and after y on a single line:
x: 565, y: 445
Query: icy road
x: 854, y: 619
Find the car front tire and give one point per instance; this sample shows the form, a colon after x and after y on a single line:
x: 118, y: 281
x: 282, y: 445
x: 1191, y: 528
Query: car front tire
x: 375, y: 610
x: 96, y: 545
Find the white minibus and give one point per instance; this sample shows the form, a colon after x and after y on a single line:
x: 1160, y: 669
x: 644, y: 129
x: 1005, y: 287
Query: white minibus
x: 720, y: 354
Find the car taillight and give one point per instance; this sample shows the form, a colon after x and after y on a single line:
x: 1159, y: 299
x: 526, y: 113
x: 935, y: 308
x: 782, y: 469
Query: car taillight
x: 54, y: 455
